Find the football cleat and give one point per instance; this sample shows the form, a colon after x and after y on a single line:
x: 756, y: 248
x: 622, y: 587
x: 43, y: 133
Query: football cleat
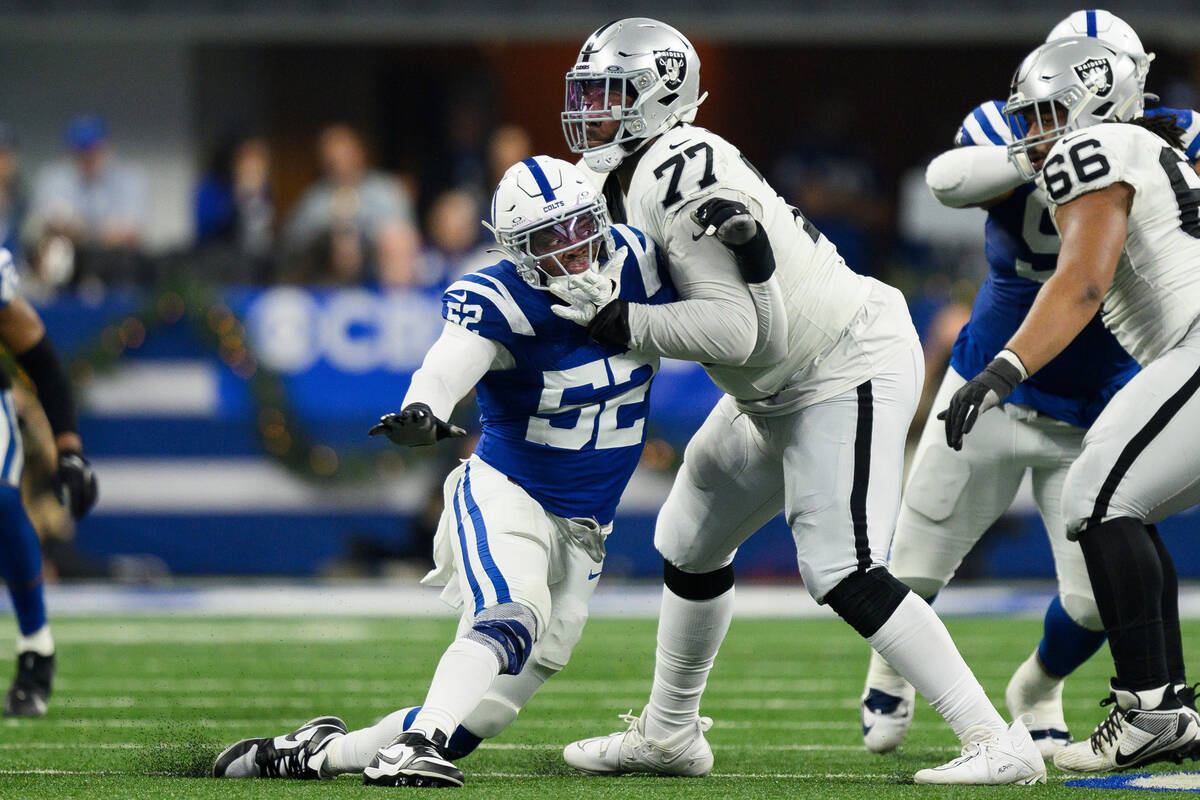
x: 683, y: 754
x: 1147, y: 736
x: 990, y: 759
x: 1095, y: 754
x: 1187, y: 696
x: 412, y: 760
x: 29, y: 695
x: 299, y: 754
x: 1027, y: 697
x: 885, y: 719
x: 1130, y: 736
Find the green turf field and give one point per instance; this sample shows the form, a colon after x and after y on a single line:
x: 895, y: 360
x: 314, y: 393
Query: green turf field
x: 142, y: 706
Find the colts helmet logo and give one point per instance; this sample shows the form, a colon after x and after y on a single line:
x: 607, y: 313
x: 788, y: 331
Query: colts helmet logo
x: 1096, y: 74
x: 672, y: 67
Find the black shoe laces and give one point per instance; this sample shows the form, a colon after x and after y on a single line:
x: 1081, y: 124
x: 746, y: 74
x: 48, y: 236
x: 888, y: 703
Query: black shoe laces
x: 1108, y: 730
x: 289, y: 764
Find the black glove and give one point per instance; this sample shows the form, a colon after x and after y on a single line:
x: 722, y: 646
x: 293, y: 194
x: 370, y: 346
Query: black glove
x: 982, y: 392
x: 415, y: 426
x: 611, y: 324
x: 75, y: 483
x: 736, y: 228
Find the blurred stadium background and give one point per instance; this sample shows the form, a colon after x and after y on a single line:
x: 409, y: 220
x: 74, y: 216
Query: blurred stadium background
x: 280, y: 190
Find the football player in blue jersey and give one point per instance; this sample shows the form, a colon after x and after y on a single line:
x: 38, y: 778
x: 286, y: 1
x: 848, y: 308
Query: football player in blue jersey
x: 24, y: 336
x: 953, y: 496
x: 520, y: 544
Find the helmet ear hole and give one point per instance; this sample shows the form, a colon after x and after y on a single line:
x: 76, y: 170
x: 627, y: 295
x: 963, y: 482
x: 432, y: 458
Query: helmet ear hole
x: 1102, y: 110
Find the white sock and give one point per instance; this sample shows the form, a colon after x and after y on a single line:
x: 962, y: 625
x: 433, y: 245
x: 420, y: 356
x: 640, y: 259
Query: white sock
x: 464, y: 675
x: 39, y: 642
x: 881, y: 676
x: 354, y: 751
x: 1039, y: 692
x: 916, y: 643
x: 689, y: 634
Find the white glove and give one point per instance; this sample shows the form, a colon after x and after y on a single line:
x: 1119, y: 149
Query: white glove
x: 588, y: 292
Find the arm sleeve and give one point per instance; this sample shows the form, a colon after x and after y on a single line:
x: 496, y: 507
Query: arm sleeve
x: 967, y: 176
x: 715, y: 322
x: 453, y: 365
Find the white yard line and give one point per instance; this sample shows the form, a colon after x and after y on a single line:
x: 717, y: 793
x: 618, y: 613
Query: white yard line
x: 884, y: 776
x: 404, y: 599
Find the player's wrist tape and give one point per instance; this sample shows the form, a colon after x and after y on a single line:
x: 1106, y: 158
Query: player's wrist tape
x: 1004, y: 373
x: 41, y: 364
x: 611, y: 324
x: 755, y: 259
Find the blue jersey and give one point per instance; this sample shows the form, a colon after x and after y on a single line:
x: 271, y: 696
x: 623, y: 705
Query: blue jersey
x: 1021, y: 246
x: 567, y: 421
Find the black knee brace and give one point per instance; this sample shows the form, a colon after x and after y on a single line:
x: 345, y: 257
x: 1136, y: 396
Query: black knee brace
x: 697, y: 585
x: 867, y: 599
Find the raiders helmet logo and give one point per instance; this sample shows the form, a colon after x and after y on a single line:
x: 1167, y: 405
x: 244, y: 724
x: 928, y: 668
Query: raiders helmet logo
x: 672, y: 67
x: 1096, y: 74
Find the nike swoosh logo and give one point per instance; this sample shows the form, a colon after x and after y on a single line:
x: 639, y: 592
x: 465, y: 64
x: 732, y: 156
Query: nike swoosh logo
x: 677, y: 146
x: 1121, y: 759
x: 460, y: 298
x: 698, y: 236
x: 593, y: 575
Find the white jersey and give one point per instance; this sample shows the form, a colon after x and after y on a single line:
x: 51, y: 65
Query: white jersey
x: 821, y: 296
x: 1155, y: 295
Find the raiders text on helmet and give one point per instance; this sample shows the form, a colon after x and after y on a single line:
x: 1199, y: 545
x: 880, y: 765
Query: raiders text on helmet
x: 637, y: 76
x: 1065, y: 85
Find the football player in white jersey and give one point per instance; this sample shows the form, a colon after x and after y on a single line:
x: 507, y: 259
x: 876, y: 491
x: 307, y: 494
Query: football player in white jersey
x: 520, y: 544
x: 953, y: 496
x: 821, y: 370
x: 1126, y: 202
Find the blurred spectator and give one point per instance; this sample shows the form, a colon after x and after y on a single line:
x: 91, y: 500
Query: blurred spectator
x: 454, y: 245
x: 89, y: 211
x: 355, y: 225
x: 13, y: 202
x: 235, y: 213
x: 508, y: 145
x: 838, y: 191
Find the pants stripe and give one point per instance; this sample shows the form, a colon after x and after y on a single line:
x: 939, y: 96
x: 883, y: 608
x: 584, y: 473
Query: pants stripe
x: 485, y: 553
x: 466, y: 554
x: 1138, y: 443
x: 10, y: 449
x: 862, y: 476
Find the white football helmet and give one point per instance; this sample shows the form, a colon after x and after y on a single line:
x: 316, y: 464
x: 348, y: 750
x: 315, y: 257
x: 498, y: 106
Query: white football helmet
x: 1066, y: 85
x: 638, y: 75
x: 550, y: 221
x: 1110, y: 29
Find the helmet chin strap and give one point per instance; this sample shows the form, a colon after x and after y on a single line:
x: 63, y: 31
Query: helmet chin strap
x: 608, y: 157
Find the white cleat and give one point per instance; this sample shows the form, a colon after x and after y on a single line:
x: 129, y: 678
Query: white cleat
x: 1154, y: 735
x: 298, y: 755
x: 1033, y: 694
x: 1095, y: 754
x: 992, y: 759
x: 885, y: 719
x: 683, y: 754
x: 412, y: 760
x: 1132, y: 735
